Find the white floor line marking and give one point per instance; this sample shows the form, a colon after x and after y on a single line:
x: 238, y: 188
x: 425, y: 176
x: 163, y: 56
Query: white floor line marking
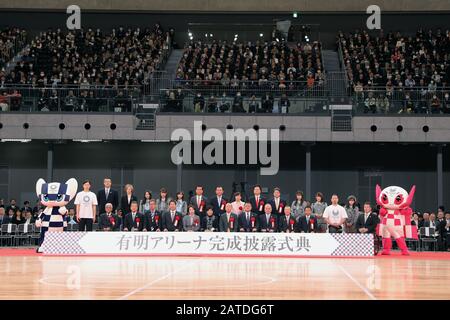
x: 366, y: 291
x: 167, y: 275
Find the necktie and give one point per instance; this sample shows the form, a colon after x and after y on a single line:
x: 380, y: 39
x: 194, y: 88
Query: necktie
x: 257, y: 201
x: 198, y: 202
x: 277, y: 201
x: 219, y: 200
x: 106, y: 193
x: 171, y: 215
x: 365, y: 218
x: 287, y: 220
x: 267, y: 218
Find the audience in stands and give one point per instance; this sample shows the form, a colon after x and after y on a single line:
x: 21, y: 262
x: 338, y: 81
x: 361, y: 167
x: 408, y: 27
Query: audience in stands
x: 412, y: 72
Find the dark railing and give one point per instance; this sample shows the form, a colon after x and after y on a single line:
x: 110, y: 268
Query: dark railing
x: 395, y: 100
x: 69, y: 98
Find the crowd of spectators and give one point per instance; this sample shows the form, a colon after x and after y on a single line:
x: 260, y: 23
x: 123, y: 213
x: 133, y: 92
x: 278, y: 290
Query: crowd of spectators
x: 237, y: 213
x: 11, y: 41
x: 253, y: 67
x: 399, y: 73
x: 85, y: 58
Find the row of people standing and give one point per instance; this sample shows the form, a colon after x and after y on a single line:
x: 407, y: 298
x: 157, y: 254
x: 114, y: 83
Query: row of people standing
x: 218, y: 202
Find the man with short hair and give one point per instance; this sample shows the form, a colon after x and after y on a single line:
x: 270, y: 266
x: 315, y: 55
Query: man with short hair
x: 257, y: 201
x: 172, y: 220
x: 267, y: 222
x: 218, y: 202
x: 287, y: 222
x: 277, y: 203
x: 367, y: 221
x: 153, y: 219
x: 228, y: 221
x: 108, y: 220
x: 107, y: 195
x: 86, y: 204
x: 199, y: 201
x: 247, y: 220
x: 134, y: 220
x: 308, y: 223
x: 335, y: 215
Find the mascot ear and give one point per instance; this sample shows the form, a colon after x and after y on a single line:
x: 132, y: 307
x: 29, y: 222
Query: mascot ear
x: 39, y: 185
x: 377, y: 194
x: 72, y: 187
x: 411, y: 196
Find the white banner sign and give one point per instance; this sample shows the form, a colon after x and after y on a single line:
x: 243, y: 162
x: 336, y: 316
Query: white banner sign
x: 205, y: 243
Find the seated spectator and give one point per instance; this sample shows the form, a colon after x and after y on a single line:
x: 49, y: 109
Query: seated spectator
x: 212, y: 104
x: 191, y: 222
x: 446, y: 104
x: 71, y: 102
x: 435, y: 105
x: 17, y: 217
x: 28, y: 217
x: 253, y: 105
x: 267, y: 103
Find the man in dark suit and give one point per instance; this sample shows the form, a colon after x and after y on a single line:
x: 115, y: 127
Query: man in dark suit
x: 277, y: 203
x: 107, y: 195
x: 367, y: 221
x: 228, y: 221
x: 153, y: 218
x: 210, y: 222
x: 308, y: 222
x: 440, y: 228
x: 172, y: 220
x: 218, y: 202
x: 109, y: 221
x: 134, y: 220
x: 257, y: 201
x: 268, y: 222
x: 199, y: 202
x: 287, y: 222
x: 247, y: 220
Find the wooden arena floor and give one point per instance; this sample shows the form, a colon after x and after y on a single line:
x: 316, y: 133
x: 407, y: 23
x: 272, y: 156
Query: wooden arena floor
x: 29, y: 276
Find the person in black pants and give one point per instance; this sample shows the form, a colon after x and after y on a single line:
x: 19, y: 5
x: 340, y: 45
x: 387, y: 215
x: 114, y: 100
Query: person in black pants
x: 86, y: 204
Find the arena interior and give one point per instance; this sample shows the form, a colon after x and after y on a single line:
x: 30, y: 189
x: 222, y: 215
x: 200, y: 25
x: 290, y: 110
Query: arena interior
x: 101, y: 91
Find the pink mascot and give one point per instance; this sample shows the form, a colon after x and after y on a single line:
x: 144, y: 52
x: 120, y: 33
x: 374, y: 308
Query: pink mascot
x: 395, y: 217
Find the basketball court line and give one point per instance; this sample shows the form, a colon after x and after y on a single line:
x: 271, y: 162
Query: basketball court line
x: 167, y: 275
x: 363, y: 288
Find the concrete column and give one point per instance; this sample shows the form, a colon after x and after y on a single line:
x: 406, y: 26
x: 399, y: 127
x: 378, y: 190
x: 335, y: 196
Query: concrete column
x: 308, y: 173
x: 440, y: 177
x: 50, y: 162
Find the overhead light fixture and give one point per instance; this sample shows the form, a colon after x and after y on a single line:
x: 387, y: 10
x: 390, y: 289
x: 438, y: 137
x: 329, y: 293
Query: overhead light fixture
x: 16, y: 140
x: 86, y: 140
x: 190, y: 34
x: 261, y: 35
x: 295, y: 14
x: 156, y: 140
x: 211, y: 35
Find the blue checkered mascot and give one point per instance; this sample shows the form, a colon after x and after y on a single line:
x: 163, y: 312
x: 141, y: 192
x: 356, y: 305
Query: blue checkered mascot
x: 54, y: 197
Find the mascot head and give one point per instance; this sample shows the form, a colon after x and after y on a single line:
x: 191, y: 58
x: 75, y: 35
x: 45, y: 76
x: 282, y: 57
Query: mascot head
x: 394, y: 198
x: 56, y: 194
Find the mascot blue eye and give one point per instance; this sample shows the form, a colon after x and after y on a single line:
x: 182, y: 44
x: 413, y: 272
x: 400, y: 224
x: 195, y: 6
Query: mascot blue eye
x: 60, y: 197
x: 45, y: 198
